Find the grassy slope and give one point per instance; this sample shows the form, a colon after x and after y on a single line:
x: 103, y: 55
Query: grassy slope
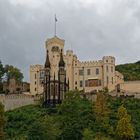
x: 130, y: 71
x: 20, y: 120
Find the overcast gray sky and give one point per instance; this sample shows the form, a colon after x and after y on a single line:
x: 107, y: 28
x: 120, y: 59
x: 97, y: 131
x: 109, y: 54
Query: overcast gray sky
x: 91, y: 28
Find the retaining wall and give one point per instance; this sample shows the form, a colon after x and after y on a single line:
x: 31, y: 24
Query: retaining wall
x: 13, y: 101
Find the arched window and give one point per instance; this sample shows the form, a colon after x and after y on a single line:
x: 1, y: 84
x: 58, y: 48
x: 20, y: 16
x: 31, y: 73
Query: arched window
x: 106, y: 68
x: 97, y: 71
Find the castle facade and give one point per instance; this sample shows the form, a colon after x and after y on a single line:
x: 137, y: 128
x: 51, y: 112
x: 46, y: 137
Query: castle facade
x: 89, y: 76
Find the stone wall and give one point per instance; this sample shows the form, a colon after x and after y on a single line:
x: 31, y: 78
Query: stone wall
x: 130, y: 86
x: 13, y: 101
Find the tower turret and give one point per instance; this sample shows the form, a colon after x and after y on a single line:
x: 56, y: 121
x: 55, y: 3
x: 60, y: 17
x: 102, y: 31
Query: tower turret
x: 47, y: 63
x: 61, y: 62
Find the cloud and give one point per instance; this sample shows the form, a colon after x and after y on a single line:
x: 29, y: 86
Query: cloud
x: 90, y: 28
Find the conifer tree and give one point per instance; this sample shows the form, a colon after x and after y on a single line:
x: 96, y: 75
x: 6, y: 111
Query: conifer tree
x: 102, y: 110
x: 2, y: 122
x: 124, y: 129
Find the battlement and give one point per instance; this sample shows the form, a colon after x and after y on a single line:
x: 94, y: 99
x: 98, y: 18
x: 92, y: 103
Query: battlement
x: 112, y: 57
x: 36, y: 67
x: 55, y: 40
x: 90, y: 63
x: 69, y: 52
x: 109, y: 59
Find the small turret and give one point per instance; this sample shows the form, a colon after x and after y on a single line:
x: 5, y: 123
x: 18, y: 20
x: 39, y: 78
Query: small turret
x: 47, y: 63
x: 61, y: 62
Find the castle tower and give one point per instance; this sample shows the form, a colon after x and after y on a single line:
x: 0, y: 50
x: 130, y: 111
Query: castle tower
x: 54, y: 46
x: 109, y: 72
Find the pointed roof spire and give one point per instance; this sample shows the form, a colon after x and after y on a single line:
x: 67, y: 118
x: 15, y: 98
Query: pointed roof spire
x: 61, y: 62
x: 47, y: 63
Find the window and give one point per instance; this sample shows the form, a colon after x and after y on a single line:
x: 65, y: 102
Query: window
x: 94, y: 82
x: 75, y: 82
x: 42, y: 74
x: 97, y: 71
x: 111, y: 68
x: 107, y: 79
x: 35, y: 89
x: 81, y: 83
x: 35, y: 75
x: 106, y: 61
x: 106, y: 68
x: 35, y: 82
x: 86, y: 83
x: 112, y: 80
x: 88, y: 71
x: 55, y: 49
x: 80, y: 72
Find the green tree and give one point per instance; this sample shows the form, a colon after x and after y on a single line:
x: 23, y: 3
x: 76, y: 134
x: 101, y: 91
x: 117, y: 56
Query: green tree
x: 75, y: 115
x: 88, y: 134
x: 124, y: 129
x: 46, y: 128
x: 102, y: 111
x: 2, y: 122
x: 1, y: 71
x: 13, y: 72
x: 1, y: 75
x: 100, y: 137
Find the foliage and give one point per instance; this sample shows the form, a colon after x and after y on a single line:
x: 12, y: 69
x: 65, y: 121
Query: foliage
x: 8, y: 72
x: 124, y: 128
x: 130, y: 71
x: 45, y: 128
x: 74, y: 119
x: 75, y: 115
x: 1, y: 75
x: 13, y: 72
x: 20, y: 120
x: 2, y: 122
x: 88, y: 134
x: 102, y: 111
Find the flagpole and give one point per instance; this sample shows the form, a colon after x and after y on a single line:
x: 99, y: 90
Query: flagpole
x: 55, y: 25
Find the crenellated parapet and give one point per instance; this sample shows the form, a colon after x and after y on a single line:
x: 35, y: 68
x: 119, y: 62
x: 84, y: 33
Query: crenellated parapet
x: 69, y: 52
x: 36, y: 67
x: 89, y: 63
x: 55, y: 40
x: 109, y: 59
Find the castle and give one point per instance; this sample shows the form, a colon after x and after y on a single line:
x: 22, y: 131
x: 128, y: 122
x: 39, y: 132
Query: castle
x: 89, y: 76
